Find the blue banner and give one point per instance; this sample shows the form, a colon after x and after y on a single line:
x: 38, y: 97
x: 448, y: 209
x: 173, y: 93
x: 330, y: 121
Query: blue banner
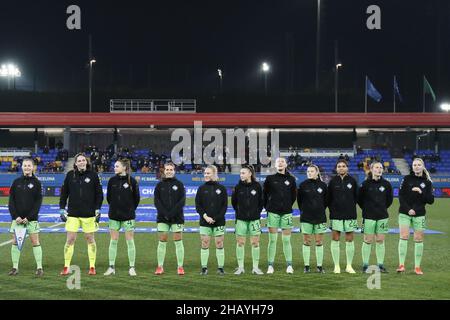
x: 195, y: 180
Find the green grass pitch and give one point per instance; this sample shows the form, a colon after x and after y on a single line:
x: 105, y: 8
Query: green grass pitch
x: 432, y: 285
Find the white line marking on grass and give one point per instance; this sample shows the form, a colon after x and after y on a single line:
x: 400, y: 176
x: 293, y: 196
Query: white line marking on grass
x: 10, y: 241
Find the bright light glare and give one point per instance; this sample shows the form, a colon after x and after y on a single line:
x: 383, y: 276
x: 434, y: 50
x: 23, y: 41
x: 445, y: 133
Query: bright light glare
x: 445, y: 107
x: 9, y: 70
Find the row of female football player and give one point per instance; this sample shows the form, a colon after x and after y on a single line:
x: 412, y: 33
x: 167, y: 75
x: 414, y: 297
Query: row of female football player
x: 82, y: 197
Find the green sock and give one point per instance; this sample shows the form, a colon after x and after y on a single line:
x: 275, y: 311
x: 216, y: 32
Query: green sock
x: 418, y: 253
x: 319, y: 255
x: 15, y: 256
x: 113, y: 251
x: 240, y: 254
x: 402, y: 249
x: 161, y: 252
x: 350, y: 251
x: 380, y: 250
x: 204, y: 256
x: 255, y: 257
x: 37, y: 252
x: 335, y: 252
x: 220, y: 254
x: 287, y: 248
x: 179, y: 250
x: 131, y: 252
x: 92, y: 254
x: 366, y: 248
x: 306, y: 254
x: 272, y: 248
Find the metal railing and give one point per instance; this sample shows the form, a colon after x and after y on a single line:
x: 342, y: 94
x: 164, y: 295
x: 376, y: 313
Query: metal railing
x: 157, y: 105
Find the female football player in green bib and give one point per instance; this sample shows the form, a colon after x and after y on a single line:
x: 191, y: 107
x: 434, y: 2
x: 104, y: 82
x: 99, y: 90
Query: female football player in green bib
x: 280, y: 193
x: 375, y: 197
x: 247, y: 202
x: 25, y: 199
x: 342, y: 198
x: 123, y: 199
x: 170, y: 198
x: 211, y: 204
x: 312, y: 201
x: 416, y: 191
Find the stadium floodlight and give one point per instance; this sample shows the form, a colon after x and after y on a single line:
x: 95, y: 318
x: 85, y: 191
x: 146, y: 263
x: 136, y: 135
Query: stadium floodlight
x: 10, y: 71
x: 445, y: 107
x: 219, y: 72
x: 336, y: 81
x: 91, y: 62
x: 265, y: 68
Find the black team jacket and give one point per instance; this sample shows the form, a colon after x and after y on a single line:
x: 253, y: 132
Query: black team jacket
x: 25, y: 198
x: 312, y: 201
x: 170, y: 198
x: 374, y: 198
x: 342, y: 198
x: 212, y: 199
x: 247, y: 200
x: 84, y: 192
x: 413, y: 200
x: 280, y: 192
x: 123, y: 198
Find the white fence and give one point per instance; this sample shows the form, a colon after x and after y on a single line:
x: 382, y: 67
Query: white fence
x: 158, y: 105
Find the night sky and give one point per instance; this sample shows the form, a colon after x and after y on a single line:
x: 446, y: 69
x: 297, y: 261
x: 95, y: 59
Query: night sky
x: 169, y: 46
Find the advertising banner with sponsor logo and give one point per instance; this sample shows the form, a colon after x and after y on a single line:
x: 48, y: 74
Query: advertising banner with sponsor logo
x: 51, y: 183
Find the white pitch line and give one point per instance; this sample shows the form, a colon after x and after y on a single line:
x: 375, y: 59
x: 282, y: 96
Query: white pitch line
x: 10, y: 241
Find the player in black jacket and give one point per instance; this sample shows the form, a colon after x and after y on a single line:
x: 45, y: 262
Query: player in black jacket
x: 342, y: 198
x: 375, y: 197
x: 83, y: 190
x: 170, y: 198
x: 312, y: 201
x: 415, y: 192
x: 123, y: 199
x: 211, y: 203
x: 25, y: 199
x: 247, y: 201
x: 280, y: 192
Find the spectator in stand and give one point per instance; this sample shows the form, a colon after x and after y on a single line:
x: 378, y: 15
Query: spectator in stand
x: 145, y: 169
x: 361, y: 165
x: 46, y: 150
x: 59, y: 145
